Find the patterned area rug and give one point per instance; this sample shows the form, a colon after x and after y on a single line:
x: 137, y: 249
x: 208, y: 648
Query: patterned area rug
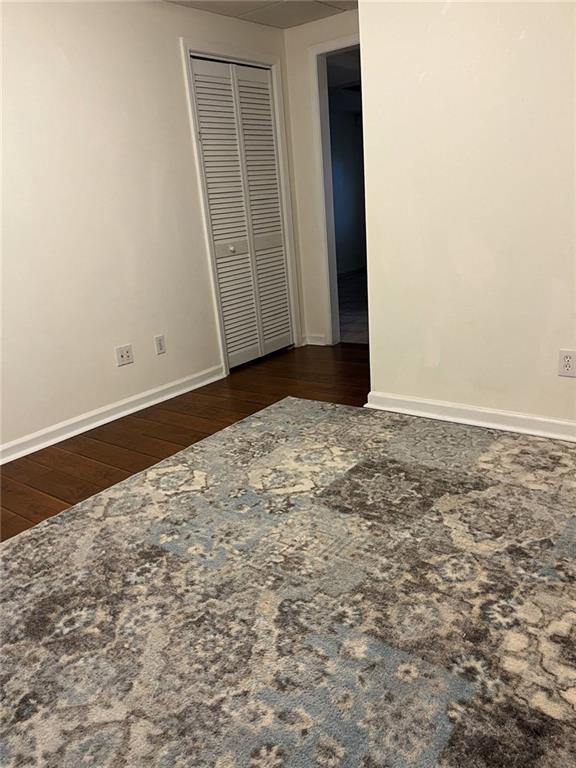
x: 317, y: 585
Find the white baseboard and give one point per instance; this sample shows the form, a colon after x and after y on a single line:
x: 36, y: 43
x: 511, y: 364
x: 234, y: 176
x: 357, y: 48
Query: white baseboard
x: 316, y: 341
x: 65, y: 429
x: 508, y: 421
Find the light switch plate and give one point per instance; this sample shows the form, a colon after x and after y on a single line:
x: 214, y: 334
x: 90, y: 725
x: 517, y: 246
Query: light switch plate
x: 160, y: 344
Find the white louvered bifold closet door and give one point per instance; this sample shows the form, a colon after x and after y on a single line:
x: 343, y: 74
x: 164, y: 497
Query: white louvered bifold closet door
x: 215, y: 103
x: 237, y: 136
x: 258, y: 133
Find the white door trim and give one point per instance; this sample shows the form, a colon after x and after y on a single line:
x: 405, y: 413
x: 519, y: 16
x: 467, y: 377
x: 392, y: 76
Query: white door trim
x: 321, y: 134
x: 242, y: 56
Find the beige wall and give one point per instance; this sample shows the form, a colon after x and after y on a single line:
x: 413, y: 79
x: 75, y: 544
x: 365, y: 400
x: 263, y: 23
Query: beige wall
x: 469, y: 121
x: 103, y: 239
x: 470, y: 165
x: 306, y: 162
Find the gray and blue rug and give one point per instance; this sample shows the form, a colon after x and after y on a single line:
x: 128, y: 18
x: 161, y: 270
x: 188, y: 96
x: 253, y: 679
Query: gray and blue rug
x: 317, y: 585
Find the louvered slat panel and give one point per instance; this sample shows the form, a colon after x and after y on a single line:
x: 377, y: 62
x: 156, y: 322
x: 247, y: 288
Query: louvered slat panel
x: 217, y: 122
x: 265, y: 210
x: 255, y: 100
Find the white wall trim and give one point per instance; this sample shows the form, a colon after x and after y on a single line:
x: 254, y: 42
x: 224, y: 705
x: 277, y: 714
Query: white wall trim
x: 508, y: 421
x: 278, y: 93
x: 318, y: 340
x: 65, y: 429
x: 321, y: 137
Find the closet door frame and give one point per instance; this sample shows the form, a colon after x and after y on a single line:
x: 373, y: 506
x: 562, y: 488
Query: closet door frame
x: 273, y: 64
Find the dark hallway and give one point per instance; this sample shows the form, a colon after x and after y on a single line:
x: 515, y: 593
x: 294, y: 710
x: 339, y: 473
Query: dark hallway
x: 345, y: 101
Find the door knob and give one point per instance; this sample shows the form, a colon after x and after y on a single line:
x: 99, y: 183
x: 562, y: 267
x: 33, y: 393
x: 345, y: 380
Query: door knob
x: 232, y: 249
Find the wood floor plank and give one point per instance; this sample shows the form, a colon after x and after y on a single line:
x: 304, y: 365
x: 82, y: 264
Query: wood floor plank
x: 114, y: 455
x: 11, y: 524
x: 274, y: 385
x: 340, y: 373
x: 29, y: 503
x: 44, y: 483
x: 80, y: 467
x: 229, y: 402
x: 178, y: 434
x: 119, y: 434
x: 223, y: 387
x: 181, y: 416
x: 51, y: 481
x: 199, y: 417
x: 281, y: 386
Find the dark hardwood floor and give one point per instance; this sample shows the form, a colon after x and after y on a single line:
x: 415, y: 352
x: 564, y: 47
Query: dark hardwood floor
x: 48, y: 481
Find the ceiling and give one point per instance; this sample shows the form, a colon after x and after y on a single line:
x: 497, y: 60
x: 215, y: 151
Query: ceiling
x: 273, y: 13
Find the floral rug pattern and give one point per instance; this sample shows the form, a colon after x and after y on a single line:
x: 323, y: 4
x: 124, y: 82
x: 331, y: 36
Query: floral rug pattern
x: 317, y: 585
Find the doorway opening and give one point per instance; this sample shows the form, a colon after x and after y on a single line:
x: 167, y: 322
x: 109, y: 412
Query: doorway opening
x: 346, y: 166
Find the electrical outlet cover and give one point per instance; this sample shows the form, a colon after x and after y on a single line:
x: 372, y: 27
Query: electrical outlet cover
x: 567, y: 363
x: 124, y: 355
x: 160, y: 344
